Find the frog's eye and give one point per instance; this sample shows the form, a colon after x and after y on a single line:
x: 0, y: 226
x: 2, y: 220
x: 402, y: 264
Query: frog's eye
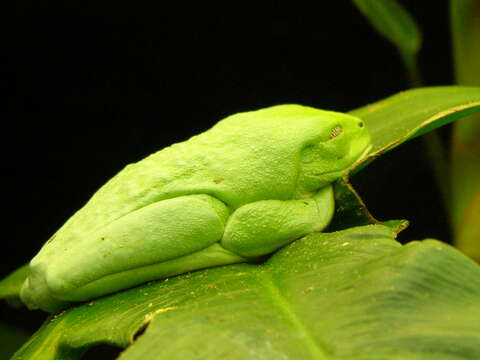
x: 337, y: 130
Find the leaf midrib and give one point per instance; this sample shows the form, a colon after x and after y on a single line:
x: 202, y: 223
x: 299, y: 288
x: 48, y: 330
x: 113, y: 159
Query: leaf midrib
x: 316, y: 349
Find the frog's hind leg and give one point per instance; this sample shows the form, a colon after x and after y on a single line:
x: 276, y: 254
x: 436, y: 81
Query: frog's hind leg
x: 164, y: 238
x: 214, y: 255
x: 261, y: 227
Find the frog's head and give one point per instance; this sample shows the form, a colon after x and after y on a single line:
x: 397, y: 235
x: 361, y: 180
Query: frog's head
x: 341, y: 141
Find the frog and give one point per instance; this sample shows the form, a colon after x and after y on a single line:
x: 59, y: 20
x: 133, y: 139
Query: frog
x: 253, y: 183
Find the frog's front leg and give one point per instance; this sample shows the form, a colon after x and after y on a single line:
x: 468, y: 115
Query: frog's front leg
x: 165, y: 238
x: 261, y: 227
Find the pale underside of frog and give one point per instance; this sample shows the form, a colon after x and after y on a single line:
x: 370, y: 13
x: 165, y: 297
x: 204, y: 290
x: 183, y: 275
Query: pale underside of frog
x: 253, y: 183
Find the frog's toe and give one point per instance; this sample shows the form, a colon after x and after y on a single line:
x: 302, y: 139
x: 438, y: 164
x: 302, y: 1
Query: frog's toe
x: 36, y: 294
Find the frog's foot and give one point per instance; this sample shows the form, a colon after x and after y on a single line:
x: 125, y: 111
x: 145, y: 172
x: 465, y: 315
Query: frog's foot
x: 261, y: 227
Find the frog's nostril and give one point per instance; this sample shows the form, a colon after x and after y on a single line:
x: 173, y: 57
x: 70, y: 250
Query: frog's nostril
x: 361, y: 124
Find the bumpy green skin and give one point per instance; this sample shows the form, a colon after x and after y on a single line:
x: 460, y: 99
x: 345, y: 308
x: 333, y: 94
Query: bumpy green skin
x: 254, y: 182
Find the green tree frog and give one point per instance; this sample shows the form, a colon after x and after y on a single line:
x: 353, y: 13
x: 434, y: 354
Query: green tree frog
x: 253, y: 183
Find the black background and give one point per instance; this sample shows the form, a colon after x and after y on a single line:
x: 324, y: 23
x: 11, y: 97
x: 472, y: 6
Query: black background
x: 92, y: 86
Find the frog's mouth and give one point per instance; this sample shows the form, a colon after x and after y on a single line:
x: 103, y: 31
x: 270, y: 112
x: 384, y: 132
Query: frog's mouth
x: 362, y: 156
x: 338, y: 173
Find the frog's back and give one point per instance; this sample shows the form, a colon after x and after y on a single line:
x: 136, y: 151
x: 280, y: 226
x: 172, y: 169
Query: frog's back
x: 244, y: 158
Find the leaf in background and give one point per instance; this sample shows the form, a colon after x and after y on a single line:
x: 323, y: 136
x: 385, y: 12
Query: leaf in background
x: 391, y: 20
x: 409, y: 114
x: 465, y: 169
x: 412, y: 113
x: 11, y: 339
x: 394, y: 23
x: 352, y: 294
x: 350, y: 210
x: 11, y: 285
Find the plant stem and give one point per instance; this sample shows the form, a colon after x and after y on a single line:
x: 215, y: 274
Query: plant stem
x: 465, y: 174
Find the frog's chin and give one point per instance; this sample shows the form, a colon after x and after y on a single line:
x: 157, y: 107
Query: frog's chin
x: 336, y: 174
x: 329, y: 177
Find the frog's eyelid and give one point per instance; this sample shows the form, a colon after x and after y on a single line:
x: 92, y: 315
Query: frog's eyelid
x: 335, y: 131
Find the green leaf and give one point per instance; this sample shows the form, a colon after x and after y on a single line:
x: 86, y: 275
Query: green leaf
x: 11, y: 285
x: 465, y: 169
x: 352, y: 294
x: 394, y: 23
x: 11, y: 339
x: 350, y: 210
x: 412, y: 113
x: 465, y: 25
x: 409, y: 114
